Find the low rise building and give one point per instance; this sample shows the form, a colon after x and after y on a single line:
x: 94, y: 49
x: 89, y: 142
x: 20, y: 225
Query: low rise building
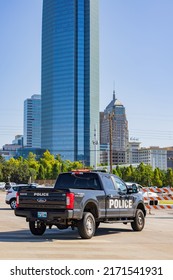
x: 154, y: 156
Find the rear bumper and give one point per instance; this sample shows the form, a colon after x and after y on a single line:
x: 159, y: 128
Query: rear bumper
x: 47, y: 216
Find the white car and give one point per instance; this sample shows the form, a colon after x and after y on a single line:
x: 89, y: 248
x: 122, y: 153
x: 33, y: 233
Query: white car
x: 8, y: 185
x: 11, y: 194
x: 2, y: 185
x: 150, y: 198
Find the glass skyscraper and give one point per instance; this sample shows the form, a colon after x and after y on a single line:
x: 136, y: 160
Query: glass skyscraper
x: 70, y: 77
x: 32, y: 121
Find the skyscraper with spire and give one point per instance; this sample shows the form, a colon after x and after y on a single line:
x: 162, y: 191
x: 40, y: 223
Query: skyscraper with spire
x: 70, y: 77
x: 120, y: 134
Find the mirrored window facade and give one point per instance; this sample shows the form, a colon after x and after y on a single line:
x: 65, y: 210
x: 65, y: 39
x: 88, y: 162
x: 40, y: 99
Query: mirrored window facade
x: 70, y: 78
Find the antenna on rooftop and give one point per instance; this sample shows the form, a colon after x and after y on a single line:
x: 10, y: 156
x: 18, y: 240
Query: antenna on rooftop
x: 114, y: 97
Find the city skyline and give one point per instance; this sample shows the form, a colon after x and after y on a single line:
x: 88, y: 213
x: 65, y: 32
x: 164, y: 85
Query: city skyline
x: 135, y: 60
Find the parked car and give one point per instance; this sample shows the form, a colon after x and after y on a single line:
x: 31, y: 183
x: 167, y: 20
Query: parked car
x: 2, y: 185
x: 150, y: 198
x: 8, y: 185
x: 11, y: 193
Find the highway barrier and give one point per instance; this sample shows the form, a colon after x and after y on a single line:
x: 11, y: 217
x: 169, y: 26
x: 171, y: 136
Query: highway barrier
x: 158, y: 198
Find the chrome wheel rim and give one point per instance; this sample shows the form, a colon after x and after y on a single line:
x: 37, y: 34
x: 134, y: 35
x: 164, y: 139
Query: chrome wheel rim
x: 89, y: 225
x: 140, y: 219
x: 13, y: 204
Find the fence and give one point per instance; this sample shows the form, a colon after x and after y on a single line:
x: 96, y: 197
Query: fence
x: 158, y: 198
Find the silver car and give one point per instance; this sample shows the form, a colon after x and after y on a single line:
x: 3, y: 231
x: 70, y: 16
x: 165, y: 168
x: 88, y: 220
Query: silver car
x: 2, y: 185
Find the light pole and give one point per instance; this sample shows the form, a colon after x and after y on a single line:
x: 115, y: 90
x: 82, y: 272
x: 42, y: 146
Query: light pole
x: 95, y: 143
x: 111, y: 116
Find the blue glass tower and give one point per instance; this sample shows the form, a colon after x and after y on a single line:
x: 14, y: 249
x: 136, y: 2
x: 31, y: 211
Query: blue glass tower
x: 70, y: 77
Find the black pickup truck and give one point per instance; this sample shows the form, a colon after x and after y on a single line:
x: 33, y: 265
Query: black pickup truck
x: 82, y: 200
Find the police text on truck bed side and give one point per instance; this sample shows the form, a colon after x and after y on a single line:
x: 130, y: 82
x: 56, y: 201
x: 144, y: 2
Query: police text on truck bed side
x: 81, y: 200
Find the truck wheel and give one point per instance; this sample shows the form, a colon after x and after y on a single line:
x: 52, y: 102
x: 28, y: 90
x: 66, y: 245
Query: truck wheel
x: 139, y: 221
x: 13, y: 204
x: 87, y: 226
x: 37, y: 228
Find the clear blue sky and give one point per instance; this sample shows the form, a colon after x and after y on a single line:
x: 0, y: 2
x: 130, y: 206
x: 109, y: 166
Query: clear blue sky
x: 136, y: 54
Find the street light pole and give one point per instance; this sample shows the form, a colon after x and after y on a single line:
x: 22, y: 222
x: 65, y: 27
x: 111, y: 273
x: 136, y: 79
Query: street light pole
x: 95, y: 143
x: 111, y: 115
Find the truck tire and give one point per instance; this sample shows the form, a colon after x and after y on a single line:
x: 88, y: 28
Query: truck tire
x: 13, y: 204
x: 87, y: 226
x: 37, y: 228
x: 139, y: 221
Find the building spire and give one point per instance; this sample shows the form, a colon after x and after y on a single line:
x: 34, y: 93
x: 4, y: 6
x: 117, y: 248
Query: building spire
x: 114, y: 97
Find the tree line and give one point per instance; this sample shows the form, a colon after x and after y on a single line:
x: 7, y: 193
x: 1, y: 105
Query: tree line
x: 144, y: 174
x: 22, y: 170
x: 48, y: 167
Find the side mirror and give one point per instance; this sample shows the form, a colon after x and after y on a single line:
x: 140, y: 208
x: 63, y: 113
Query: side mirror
x: 133, y: 189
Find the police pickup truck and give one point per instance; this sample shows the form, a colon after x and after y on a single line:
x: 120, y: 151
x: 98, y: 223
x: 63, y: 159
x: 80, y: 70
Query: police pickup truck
x: 81, y: 200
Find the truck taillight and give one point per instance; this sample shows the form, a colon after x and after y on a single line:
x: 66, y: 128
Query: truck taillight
x: 17, y: 199
x: 69, y: 200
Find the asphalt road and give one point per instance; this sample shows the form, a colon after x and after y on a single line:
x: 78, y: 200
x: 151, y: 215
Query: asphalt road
x: 112, y: 241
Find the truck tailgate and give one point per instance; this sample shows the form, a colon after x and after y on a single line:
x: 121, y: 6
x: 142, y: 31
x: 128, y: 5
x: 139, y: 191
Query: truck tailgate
x: 42, y: 198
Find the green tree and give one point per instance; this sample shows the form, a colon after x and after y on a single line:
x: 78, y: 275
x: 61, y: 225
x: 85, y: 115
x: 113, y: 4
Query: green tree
x: 31, y: 157
x: 1, y: 174
x: 63, y: 167
x: 114, y: 171
x: 56, y: 169
x: 41, y: 173
x: 58, y: 158
x: 169, y: 178
x: 119, y: 171
x: 156, y: 180
x: 33, y: 165
x: 127, y: 174
x: 48, y: 156
x: 143, y: 174
x: 9, y: 168
x: 47, y: 161
x: 2, y: 160
x: 75, y: 165
x: 20, y: 172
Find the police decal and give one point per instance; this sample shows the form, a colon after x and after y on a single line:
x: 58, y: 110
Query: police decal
x: 120, y: 203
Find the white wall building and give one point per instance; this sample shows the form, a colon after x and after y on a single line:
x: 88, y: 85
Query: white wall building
x: 155, y: 156
x: 133, y: 152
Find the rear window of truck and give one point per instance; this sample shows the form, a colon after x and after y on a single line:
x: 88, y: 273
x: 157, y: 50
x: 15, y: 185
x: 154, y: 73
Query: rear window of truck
x: 78, y: 181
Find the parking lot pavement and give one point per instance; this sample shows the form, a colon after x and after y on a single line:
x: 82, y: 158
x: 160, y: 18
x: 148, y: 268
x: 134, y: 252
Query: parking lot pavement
x: 112, y: 241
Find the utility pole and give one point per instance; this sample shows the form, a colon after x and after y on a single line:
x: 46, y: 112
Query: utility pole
x: 111, y: 115
x: 95, y: 143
